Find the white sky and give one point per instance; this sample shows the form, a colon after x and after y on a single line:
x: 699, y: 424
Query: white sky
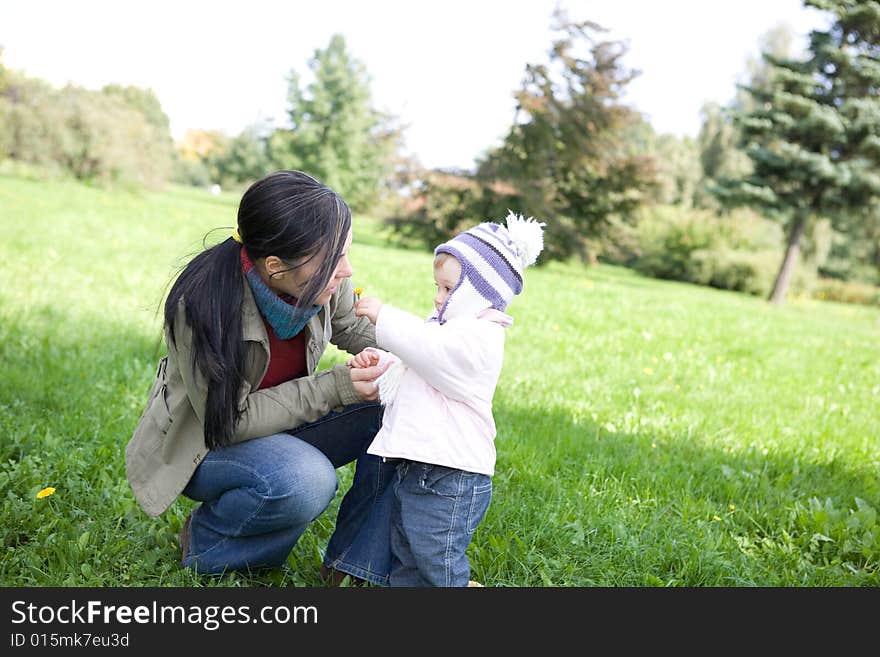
x: 447, y: 68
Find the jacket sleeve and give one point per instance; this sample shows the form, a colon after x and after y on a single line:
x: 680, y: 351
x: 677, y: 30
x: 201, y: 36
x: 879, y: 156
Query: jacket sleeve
x: 295, y: 402
x: 350, y: 332
x: 454, y: 358
x: 269, y: 410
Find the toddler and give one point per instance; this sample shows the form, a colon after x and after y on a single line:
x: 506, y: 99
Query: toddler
x: 438, y: 424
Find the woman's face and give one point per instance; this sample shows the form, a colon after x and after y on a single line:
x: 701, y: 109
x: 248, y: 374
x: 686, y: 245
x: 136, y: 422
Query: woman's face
x: 294, y: 281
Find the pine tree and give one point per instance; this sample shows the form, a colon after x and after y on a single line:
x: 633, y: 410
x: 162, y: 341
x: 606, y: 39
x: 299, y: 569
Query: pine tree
x: 335, y: 133
x: 813, y: 131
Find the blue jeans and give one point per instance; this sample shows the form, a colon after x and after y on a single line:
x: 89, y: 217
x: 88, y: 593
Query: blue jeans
x: 436, y: 512
x: 258, y: 497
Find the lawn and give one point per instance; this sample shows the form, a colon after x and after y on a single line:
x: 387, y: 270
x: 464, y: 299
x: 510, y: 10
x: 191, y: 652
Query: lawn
x: 650, y: 433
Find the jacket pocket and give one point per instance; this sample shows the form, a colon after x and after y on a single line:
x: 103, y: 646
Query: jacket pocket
x: 157, y: 409
x: 159, y: 381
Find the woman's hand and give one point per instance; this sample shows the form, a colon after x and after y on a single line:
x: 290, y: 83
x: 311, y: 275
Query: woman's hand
x: 368, y: 307
x: 364, y: 380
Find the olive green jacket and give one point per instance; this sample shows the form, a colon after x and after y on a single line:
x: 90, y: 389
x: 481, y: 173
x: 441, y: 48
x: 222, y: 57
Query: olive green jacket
x: 169, y: 442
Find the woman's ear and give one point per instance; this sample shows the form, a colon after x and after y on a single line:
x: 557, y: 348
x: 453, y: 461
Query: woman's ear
x: 274, y: 265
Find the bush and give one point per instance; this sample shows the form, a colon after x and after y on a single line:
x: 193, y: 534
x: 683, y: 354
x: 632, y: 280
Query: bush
x: 740, y: 251
x: 442, y: 205
x: 740, y: 271
x: 667, y: 237
x: 830, y: 289
x: 34, y: 172
x: 190, y: 172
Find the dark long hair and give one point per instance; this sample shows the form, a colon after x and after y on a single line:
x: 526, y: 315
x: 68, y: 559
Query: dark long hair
x: 287, y: 214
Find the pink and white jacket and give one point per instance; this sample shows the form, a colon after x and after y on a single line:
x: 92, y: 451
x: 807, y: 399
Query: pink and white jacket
x: 438, y: 392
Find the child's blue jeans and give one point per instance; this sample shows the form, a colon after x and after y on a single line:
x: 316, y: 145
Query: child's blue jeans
x: 435, y: 513
x: 258, y: 497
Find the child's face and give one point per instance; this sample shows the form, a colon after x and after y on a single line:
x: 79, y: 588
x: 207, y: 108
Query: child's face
x: 446, y: 274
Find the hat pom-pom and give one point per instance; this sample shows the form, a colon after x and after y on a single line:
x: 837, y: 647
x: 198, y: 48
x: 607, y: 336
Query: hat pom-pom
x: 527, y: 235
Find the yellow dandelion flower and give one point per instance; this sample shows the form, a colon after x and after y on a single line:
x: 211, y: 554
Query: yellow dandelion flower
x: 653, y: 445
x: 731, y: 506
x: 715, y: 518
x: 648, y: 370
x: 46, y: 492
x: 359, y: 291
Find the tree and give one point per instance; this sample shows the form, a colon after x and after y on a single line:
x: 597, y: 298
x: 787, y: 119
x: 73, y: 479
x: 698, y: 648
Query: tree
x: 813, y: 131
x: 719, y: 139
x: 157, y: 146
x: 778, y: 42
x: 244, y: 159
x: 335, y: 134
x: 145, y: 102
x: 197, y: 156
x: 678, y: 169
x: 720, y: 155
x: 569, y: 157
x: 31, y: 120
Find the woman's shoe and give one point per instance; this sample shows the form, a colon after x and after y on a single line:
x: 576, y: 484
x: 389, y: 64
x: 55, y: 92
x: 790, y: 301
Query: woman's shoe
x: 184, y: 539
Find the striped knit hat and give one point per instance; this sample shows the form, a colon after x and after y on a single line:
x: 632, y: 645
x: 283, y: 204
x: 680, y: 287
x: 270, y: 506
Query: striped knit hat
x: 492, y: 260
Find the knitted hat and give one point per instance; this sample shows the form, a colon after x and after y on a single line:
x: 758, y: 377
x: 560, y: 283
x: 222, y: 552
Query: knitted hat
x: 492, y: 260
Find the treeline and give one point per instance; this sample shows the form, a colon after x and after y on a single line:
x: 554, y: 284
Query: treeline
x: 121, y: 135
x: 779, y: 191
x: 115, y: 135
x: 775, y: 192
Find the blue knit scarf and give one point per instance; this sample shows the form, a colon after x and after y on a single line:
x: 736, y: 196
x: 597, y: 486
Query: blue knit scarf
x: 283, y: 316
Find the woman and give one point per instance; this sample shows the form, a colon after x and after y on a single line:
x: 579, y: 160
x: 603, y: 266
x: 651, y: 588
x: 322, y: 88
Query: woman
x: 237, y: 417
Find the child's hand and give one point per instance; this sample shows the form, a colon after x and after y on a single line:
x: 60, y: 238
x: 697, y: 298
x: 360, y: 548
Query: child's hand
x: 364, y: 359
x: 368, y: 307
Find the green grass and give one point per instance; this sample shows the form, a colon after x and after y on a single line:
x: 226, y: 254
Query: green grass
x: 649, y: 433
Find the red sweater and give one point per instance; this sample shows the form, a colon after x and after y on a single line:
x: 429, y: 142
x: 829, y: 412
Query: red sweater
x: 287, y: 358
